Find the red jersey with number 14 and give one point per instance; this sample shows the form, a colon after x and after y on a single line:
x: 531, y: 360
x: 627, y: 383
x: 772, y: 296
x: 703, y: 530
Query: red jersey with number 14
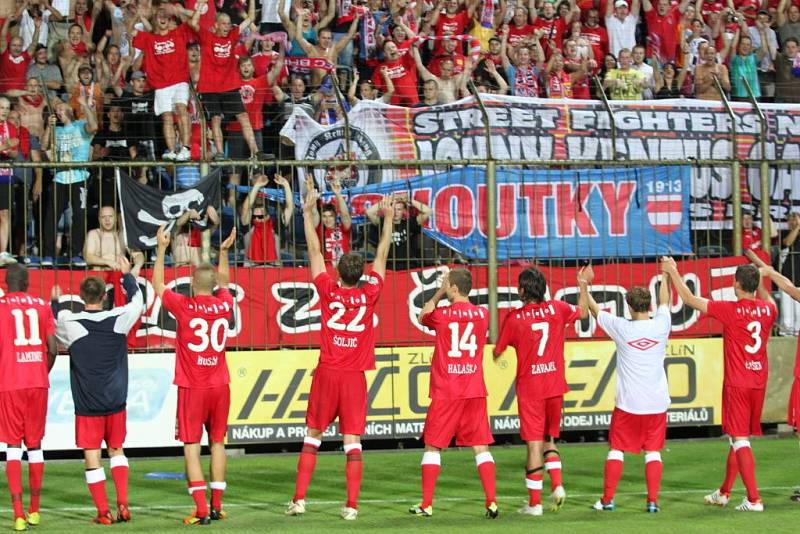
x: 348, y: 333
x: 457, y: 365
x: 746, y: 325
x: 537, y: 331
x: 201, y: 334
x: 26, y: 323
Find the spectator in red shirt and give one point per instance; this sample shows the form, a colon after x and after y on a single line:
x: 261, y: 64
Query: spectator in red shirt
x: 595, y: 34
x: 662, y: 28
x: 334, y: 235
x: 403, y: 73
x: 554, y: 25
x: 13, y: 60
x: 520, y: 29
x: 260, y: 241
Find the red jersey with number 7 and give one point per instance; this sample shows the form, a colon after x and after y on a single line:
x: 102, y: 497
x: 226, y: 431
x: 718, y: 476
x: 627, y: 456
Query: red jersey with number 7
x: 26, y: 322
x: 457, y: 365
x: 746, y: 325
x: 348, y: 314
x: 200, y: 337
x: 537, y: 332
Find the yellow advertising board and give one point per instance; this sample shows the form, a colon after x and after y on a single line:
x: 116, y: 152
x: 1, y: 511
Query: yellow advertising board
x: 269, y: 389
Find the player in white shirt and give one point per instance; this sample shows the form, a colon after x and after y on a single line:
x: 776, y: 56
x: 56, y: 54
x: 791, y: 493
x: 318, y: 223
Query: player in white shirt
x: 639, y: 421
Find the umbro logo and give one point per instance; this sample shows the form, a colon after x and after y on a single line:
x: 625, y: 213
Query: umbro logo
x: 643, y: 343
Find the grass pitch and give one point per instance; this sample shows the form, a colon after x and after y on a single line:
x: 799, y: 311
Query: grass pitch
x: 260, y: 485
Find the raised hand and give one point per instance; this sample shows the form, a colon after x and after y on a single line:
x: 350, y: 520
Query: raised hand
x: 229, y: 241
x: 162, y: 237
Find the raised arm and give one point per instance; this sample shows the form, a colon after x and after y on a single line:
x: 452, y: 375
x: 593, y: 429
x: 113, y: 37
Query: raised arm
x: 330, y: 14
x: 223, y: 269
x: 342, y: 43
x: 162, y: 243
x: 341, y: 204
x: 424, y: 73
x: 316, y: 261
x: 585, y: 300
x: 434, y: 300
x: 669, y: 266
x: 288, y: 205
x: 4, y: 35
x: 382, y: 252
x: 664, y: 291
x: 781, y: 12
x: 286, y: 20
x: 504, y: 49
x: 250, y: 200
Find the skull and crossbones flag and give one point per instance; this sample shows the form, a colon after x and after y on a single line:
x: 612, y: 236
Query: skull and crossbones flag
x: 145, y: 208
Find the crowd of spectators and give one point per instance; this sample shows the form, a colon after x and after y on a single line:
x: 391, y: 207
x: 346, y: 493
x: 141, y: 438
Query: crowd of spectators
x: 127, y: 80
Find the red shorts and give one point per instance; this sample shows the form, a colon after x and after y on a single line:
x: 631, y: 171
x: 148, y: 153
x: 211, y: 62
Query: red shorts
x: 741, y: 411
x: 631, y: 432
x: 539, y: 417
x: 92, y: 430
x: 202, y: 408
x: 465, y: 419
x: 22, y: 416
x: 793, y: 417
x: 341, y: 394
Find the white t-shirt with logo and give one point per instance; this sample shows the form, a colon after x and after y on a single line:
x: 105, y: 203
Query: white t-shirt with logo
x: 641, y: 346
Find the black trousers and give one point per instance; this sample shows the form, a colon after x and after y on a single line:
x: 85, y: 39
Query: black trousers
x: 59, y: 197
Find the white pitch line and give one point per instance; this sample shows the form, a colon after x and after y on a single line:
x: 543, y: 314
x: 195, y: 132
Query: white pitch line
x: 520, y: 497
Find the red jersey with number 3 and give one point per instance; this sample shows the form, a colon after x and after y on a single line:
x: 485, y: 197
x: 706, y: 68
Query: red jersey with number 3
x: 26, y: 323
x: 201, y: 334
x: 348, y: 333
x: 746, y: 325
x: 457, y: 365
x: 537, y: 332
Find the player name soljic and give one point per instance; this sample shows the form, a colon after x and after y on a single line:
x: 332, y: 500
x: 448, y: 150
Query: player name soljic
x: 345, y: 342
x: 208, y: 362
x: 541, y: 368
x: 461, y: 368
x: 29, y: 357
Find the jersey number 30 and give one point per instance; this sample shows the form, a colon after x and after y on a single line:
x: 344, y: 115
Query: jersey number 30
x: 213, y: 334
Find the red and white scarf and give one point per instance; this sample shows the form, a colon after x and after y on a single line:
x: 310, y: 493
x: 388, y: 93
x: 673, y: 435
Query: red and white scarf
x: 306, y: 64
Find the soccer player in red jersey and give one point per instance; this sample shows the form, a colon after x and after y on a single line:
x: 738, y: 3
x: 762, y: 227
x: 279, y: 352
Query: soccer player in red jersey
x: 201, y: 372
x: 457, y: 390
x: 28, y: 351
x: 537, y: 331
x: 746, y: 324
x: 786, y: 285
x: 339, y: 388
x: 639, y: 420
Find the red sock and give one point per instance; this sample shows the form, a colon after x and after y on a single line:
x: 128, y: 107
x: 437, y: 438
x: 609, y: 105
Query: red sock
x: 305, y: 467
x: 431, y: 466
x: 747, y: 468
x: 96, y: 480
x: 119, y: 472
x: 653, y: 467
x: 731, y: 470
x: 486, y: 472
x: 197, y: 489
x: 14, y: 476
x: 533, y: 481
x: 352, y: 473
x: 217, y: 490
x: 552, y: 464
x: 611, y: 474
x: 35, y: 476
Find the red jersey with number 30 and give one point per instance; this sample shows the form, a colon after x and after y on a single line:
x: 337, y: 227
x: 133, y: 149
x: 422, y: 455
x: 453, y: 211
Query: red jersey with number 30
x: 26, y: 323
x: 457, y: 365
x: 537, y: 332
x: 746, y: 325
x: 201, y: 333
x: 348, y: 334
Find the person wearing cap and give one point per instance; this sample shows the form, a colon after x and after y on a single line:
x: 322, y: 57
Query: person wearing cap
x: 765, y: 45
x: 621, y: 21
x: 49, y: 73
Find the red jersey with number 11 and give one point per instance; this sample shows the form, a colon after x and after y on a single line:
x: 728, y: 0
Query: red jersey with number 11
x: 26, y: 324
x: 457, y: 365
x: 348, y: 333
x: 537, y: 332
x: 201, y: 334
x: 746, y: 325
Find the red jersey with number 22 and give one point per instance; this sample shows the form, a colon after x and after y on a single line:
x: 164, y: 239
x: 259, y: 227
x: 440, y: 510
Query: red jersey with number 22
x: 27, y: 322
x: 348, y: 334
x: 537, y: 331
x: 746, y: 325
x: 457, y: 365
x: 201, y: 334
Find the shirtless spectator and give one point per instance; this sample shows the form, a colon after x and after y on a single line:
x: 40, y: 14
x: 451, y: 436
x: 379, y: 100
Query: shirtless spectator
x: 705, y: 88
x: 326, y: 49
x: 103, y: 245
x: 448, y: 82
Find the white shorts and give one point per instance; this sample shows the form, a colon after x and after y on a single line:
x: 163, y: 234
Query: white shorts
x: 167, y: 97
